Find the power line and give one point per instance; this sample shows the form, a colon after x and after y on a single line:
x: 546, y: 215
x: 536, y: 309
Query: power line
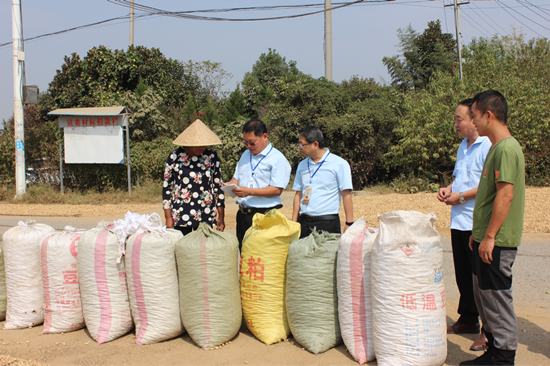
x: 75, y: 28
x: 532, y: 11
x: 476, y: 28
x: 538, y: 7
x: 486, y: 31
x: 491, y: 18
x: 501, y: 5
x: 526, y: 17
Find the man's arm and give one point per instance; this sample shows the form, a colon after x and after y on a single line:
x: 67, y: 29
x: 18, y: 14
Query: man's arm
x: 455, y: 196
x: 501, y: 207
x: 232, y: 181
x: 348, y: 206
x: 268, y: 191
x: 296, y: 205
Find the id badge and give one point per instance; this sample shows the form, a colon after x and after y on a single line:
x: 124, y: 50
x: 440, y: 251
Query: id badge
x: 307, y: 196
x: 251, y: 184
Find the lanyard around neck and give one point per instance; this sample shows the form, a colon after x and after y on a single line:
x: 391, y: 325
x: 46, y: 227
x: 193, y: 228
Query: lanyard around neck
x: 254, y: 168
x: 311, y: 176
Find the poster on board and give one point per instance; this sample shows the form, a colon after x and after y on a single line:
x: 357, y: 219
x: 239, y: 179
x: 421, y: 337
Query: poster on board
x: 90, y: 145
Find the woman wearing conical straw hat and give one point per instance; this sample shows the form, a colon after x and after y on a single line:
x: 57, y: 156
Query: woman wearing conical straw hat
x: 191, y: 191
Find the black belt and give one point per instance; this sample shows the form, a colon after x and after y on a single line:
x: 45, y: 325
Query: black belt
x: 255, y: 210
x: 319, y: 218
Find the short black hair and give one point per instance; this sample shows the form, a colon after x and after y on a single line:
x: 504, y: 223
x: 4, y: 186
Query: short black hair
x: 468, y: 103
x: 256, y: 126
x: 312, y: 134
x: 494, y: 101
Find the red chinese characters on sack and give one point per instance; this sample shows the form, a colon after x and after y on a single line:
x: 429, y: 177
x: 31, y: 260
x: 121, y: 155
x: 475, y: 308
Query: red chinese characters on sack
x: 255, y: 268
x: 408, y: 301
x: 70, y: 278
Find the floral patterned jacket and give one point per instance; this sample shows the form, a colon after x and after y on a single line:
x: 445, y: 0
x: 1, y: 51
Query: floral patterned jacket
x: 192, y: 187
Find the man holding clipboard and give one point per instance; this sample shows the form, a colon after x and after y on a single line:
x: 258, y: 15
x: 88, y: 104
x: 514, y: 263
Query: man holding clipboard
x: 261, y: 175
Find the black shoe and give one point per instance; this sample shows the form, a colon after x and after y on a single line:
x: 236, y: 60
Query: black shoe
x: 504, y: 357
x: 485, y: 359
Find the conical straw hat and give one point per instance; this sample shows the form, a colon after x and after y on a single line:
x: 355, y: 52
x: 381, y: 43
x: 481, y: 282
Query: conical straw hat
x: 197, y: 134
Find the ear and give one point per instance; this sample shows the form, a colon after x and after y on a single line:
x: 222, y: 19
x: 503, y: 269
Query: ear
x: 315, y: 144
x: 265, y: 135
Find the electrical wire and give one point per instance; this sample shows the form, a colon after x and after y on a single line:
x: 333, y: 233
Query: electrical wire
x: 491, y: 18
x: 538, y: 7
x: 548, y: 20
x: 483, y: 20
x: 501, y: 5
x: 526, y: 17
x: 476, y: 28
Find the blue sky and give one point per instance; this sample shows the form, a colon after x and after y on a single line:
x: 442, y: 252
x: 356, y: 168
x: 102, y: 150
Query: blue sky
x: 362, y: 34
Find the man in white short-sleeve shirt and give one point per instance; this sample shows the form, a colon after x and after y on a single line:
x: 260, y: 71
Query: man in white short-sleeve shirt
x: 262, y: 174
x: 461, y: 195
x: 322, y: 181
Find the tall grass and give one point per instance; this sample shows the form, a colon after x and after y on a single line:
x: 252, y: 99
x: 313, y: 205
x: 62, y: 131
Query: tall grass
x: 148, y: 192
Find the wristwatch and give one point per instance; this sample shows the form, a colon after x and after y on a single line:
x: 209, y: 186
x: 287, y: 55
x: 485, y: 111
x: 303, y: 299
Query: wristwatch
x: 461, y: 198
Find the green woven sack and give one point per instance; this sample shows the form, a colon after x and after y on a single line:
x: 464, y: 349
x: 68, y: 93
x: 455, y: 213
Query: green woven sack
x: 3, y: 296
x: 210, y: 298
x: 311, y: 297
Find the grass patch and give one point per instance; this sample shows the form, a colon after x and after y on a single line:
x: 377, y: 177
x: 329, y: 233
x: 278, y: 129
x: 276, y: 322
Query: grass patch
x: 148, y: 192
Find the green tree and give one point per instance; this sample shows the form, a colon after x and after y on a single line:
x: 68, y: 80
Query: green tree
x: 235, y: 106
x: 421, y: 56
x: 212, y: 77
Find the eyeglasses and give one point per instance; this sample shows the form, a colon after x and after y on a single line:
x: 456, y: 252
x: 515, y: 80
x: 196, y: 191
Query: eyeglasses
x: 251, y: 144
x: 301, y: 146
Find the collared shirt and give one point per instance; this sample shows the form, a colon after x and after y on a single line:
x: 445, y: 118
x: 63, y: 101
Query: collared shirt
x: 332, y: 177
x: 468, y: 168
x: 273, y: 170
x: 191, y: 187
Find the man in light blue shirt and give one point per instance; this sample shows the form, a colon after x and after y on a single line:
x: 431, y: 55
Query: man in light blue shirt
x: 262, y: 174
x: 461, y: 195
x: 322, y: 181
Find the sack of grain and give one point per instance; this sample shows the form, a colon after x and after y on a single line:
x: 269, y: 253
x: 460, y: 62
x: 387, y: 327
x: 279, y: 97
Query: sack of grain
x: 23, y: 277
x: 153, y: 285
x: 263, y: 262
x: 354, y: 289
x: 210, y: 299
x: 3, y: 296
x: 408, y: 295
x: 62, y: 304
x: 103, y: 288
x: 311, y: 297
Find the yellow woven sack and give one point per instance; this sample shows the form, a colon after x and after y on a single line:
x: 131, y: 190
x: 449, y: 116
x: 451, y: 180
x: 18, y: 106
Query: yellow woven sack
x: 263, y: 260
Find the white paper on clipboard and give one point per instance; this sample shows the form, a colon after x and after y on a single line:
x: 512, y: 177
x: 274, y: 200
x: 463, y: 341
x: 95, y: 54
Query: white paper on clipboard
x: 228, y: 189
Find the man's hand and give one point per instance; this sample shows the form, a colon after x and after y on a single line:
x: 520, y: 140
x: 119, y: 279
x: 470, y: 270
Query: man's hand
x: 242, y: 192
x: 443, y: 194
x: 486, y: 249
x: 471, y: 242
x: 346, y: 227
x: 452, y: 199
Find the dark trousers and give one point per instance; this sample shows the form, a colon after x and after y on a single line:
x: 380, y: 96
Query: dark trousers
x: 463, y: 260
x: 185, y: 229
x: 244, y: 221
x: 328, y: 223
x: 493, y: 294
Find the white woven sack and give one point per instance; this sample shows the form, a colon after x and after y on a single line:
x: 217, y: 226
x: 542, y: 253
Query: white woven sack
x: 103, y: 288
x: 408, y: 295
x: 153, y: 285
x: 353, y: 274
x: 62, y: 304
x: 23, y: 277
x: 3, y: 297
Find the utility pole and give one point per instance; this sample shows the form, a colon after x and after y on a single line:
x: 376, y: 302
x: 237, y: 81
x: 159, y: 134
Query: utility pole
x: 132, y: 23
x: 328, y: 40
x: 18, y: 117
x: 458, y: 36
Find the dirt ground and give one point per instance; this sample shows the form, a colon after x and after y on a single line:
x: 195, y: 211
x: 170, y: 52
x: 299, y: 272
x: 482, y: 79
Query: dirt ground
x: 30, y: 347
